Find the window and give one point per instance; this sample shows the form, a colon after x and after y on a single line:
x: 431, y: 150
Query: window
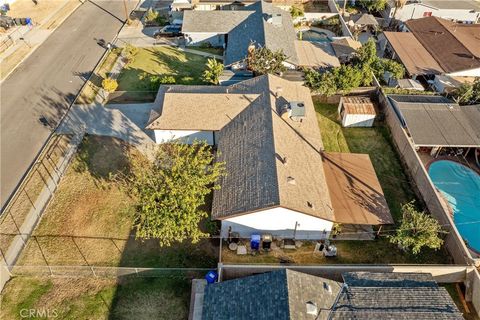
x: 427, y: 14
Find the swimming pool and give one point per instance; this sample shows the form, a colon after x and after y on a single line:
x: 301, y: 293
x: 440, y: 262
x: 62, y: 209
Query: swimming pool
x: 461, y: 187
x: 314, y: 36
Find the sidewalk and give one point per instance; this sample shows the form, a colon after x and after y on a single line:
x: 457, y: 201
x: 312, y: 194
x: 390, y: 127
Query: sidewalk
x: 27, y: 38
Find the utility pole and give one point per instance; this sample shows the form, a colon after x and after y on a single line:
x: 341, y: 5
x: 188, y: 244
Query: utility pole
x: 127, y: 19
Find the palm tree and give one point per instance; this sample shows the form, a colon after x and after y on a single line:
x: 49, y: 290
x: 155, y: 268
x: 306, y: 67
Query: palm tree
x: 213, y: 71
x: 398, y: 5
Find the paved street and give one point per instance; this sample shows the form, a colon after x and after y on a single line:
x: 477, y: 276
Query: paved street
x: 46, y: 83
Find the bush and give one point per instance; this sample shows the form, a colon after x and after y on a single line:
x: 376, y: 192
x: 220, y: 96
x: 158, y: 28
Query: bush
x: 130, y: 52
x: 151, y: 15
x: 212, y: 71
x: 205, y: 45
x: 167, y: 80
x: 109, y: 85
x: 296, y: 12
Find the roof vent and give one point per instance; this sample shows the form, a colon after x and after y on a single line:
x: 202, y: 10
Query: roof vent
x: 291, y: 180
x: 311, y: 308
x: 327, y: 287
x: 284, y: 160
x: 310, y: 205
x: 275, y: 19
x: 294, y: 110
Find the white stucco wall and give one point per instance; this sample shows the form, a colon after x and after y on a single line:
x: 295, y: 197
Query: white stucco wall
x: 417, y: 10
x: 280, y: 222
x: 358, y: 120
x: 466, y: 73
x: 197, y: 38
x: 162, y: 136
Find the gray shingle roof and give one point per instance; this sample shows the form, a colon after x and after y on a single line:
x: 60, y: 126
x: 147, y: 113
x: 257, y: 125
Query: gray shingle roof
x: 435, y: 121
x: 393, y: 296
x: 253, y: 145
x: 216, y: 21
x: 278, y: 295
x: 255, y: 29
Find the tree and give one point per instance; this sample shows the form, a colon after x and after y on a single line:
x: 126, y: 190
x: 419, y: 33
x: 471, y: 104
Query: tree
x: 417, y: 230
x: 171, y: 190
x: 373, y: 5
x: 296, y: 12
x: 342, y: 79
x: 213, y: 71
x: 467, y: 93
x: 109, y: 84
x: 398, y: 5
x: 396, y: 69
x: 262, y: 60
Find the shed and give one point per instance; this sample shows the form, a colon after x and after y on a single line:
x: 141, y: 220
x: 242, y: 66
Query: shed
x: 356, y: 111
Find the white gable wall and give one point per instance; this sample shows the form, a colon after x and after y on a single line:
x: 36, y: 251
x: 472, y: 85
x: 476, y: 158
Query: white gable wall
x: 280, y: 222
x: 185, y: 136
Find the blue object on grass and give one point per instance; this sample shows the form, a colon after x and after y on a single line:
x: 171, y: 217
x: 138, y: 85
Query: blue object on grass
x: 255, y: 242
x: 211, y: 277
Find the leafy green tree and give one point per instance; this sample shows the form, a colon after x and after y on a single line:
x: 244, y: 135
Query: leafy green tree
x: 171, y: 191
x: 212, y: 71
x: 262, y: 60
x: 109, y: 85
x: 396, y: 69
x: 347, y: 78
x: 296, y: 12
x: 373, y: 5
x: 417, y: 230
x: 468, y: 93
x: 322, y: 83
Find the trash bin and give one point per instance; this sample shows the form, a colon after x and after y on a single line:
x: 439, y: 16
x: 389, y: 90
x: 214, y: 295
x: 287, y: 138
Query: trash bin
x: 211, y: 277
x: 255, y: 242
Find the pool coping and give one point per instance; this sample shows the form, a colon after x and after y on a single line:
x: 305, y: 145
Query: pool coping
x: 450, y: 210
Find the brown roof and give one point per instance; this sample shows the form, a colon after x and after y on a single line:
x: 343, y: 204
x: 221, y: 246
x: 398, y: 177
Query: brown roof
x: 254, y: 145
x: 315, y: 54
x: 358, y: 105
x: 356, y: 194
x: 193, y: 111
x: 454, y: 46
x: 345, y: 46
x: 415, y: 58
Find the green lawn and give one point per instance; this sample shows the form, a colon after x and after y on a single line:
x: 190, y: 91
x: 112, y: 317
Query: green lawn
x: 98, y: 298
x: 186, y: 68
x: 377, y: 143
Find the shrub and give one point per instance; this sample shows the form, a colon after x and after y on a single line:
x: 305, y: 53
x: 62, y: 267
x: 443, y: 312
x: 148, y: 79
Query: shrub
x: 109, y: 85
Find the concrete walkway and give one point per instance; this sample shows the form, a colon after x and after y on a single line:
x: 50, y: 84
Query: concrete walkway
x: 107, y: 121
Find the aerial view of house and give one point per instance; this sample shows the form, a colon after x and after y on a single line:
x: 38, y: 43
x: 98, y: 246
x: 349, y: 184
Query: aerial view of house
x: 240, y: 159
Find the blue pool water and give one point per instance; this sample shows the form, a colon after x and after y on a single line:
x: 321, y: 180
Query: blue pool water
x: 314, y: 36
x: 461, y: 187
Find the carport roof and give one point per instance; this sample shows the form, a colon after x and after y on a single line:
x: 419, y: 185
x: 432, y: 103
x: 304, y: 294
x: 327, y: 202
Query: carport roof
x: 436, y: 121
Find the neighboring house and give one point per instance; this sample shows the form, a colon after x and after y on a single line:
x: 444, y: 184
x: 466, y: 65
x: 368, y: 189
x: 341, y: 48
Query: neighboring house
x: 221, y: 4
x: 345, y: 48
x: 436, y: 46
x: 467, y: 11
x: 447, y: 84
x: 279, y: 180
x: 287, y: 294
x: 260, y: 24
x: 434, y: 122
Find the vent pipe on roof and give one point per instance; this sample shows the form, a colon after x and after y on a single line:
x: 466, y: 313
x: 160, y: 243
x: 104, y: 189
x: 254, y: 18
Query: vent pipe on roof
x: 284, y: 160
x: 311, y: 308
x: 291, y: 180
x: 310, y: 205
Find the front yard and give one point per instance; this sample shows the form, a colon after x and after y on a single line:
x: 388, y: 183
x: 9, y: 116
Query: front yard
x: 186, y: 68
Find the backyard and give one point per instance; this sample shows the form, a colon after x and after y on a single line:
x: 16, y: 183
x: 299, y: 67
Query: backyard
x: 397, y: 190
x: 98, y: 298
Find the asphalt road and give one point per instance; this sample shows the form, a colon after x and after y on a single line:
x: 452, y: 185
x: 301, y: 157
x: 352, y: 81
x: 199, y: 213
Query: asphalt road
x: 47, y: 82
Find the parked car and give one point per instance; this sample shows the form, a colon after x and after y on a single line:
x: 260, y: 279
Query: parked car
x: 169, y: 31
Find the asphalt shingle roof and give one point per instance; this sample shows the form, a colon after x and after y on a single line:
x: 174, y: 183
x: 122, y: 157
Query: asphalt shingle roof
x: 279, y: 295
